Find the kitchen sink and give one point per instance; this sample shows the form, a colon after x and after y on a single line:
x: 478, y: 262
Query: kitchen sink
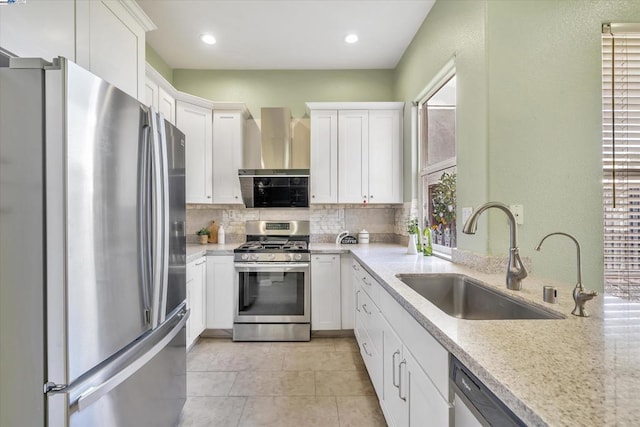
x: 465, y: 298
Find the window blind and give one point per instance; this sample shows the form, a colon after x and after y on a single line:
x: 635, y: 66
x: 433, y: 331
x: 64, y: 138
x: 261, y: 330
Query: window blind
x: 621, y: 159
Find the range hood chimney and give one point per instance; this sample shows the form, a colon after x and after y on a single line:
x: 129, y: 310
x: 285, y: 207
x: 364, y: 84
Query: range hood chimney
x: 275, y: 151
x: 274, y: 158
x: 276, y: 138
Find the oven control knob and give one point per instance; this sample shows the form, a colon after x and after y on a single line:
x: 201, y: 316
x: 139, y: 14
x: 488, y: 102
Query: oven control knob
x: 245, y: 256
x: 254, y: 257
x: 297, y: 257
x: 271, y: 257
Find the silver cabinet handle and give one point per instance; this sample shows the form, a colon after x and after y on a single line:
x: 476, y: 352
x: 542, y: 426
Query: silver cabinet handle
x: 355, y: 267
x: 404, y: 362
x: 201, y: 262
x: 364, y: 279
x: 364, y: 307
x: 393, y: 368
x: 357, y: 292
x: 364, y: 346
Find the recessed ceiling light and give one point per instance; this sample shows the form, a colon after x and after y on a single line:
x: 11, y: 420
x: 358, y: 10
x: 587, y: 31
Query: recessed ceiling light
x: 351, y: 38
x: 208, y: 39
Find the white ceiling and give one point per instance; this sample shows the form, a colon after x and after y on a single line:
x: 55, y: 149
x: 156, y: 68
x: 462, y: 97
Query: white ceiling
x: 284, y: 34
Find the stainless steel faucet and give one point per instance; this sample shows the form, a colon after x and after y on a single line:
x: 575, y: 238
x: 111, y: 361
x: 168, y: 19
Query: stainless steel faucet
x: 580, y: 296
x: 515, y: 270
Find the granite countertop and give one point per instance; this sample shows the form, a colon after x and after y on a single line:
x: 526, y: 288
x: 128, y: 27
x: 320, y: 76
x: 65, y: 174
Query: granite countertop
x: 195, y: 251
x: 566, y: 372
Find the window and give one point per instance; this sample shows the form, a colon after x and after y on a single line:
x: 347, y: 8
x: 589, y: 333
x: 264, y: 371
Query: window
x: 437, y: 152
x: 621, y: 158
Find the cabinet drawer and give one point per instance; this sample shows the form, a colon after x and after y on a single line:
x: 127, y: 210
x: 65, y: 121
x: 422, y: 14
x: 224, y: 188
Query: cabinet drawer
x: 371, y: 356
x: 369, y: 284
x: 428, y: 352
x: 371, y: 318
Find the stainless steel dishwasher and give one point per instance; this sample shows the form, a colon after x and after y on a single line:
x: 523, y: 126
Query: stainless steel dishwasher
x: 474, y: 404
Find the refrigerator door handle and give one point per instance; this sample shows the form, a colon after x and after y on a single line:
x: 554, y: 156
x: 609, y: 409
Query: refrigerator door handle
x: 157, y: 221
x: 94, y: 393
x: 144, y: 216
x: 164, y: 168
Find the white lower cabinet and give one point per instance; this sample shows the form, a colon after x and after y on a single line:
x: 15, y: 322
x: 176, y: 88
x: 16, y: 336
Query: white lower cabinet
x: 325, y: 292
x: 407, y: 366
x: 196, y: 299
x: 331, y: 292
x: 221, y: 276
x: 394, y: 405
x: 426, y: 405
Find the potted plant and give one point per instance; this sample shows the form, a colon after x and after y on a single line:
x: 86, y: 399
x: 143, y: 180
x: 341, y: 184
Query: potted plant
x: 204, y: 235
x: 444, y: 209
x: 414, y: 231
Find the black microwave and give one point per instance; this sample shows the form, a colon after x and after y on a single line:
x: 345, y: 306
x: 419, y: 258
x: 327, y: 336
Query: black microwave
x: 275, y: 188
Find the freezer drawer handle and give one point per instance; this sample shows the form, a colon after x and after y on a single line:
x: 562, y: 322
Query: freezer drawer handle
x: 94, y: 393
x: 53, y: 387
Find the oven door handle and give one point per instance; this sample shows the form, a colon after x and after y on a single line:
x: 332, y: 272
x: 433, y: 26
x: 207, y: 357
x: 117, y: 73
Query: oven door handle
x: 270, y: 266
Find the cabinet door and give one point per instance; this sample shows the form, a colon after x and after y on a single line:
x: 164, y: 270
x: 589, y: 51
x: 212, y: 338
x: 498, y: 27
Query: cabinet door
x: 196, y: 124
x: 385, y: 156
x: 196, y: 277
x: 426, y: 405
x: 325, y: 292
x: 346, y: 290
x: 324, y: 156
x: 151, y: 93
x: 353, y: 158
x: 221, y: 276
x: 228, y: 130
x: 395, y: 405
x: 111, y: 43
x: 167, y: 105
x: 39, y: 29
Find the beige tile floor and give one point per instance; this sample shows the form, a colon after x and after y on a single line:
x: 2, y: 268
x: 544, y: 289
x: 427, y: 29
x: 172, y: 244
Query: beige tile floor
x: 318, y: 383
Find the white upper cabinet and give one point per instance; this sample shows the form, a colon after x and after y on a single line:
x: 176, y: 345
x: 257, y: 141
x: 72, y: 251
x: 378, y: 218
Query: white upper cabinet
x: 353, y: 166
x: 228, y: 131
x: 167, y: 105
x: 160, y: 95
x: 385, y: 156
x: 107, y: 37
x: 324, y: 156
x: 196, y: 123
x: 214, y: 132
x: 368, y: 164
x: 39, y: 28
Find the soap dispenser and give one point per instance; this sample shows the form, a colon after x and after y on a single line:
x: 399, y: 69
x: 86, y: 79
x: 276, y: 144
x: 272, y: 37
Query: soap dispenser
x: 220, y: 235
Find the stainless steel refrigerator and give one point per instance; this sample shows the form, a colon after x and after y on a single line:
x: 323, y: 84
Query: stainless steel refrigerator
x: 92, y: 253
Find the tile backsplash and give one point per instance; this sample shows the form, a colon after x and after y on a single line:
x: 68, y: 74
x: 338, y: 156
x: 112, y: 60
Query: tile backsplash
x: 385, y: 223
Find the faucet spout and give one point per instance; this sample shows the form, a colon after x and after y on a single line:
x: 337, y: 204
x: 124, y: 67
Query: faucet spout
x: 580, y: 295
x: 515, y: 270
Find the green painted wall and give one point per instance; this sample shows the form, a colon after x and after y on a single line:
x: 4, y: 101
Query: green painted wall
x: 528, y: 119
x: 545, y: 153
x: 158, y: 63
x: 452, y: 29
x: 291, y: 89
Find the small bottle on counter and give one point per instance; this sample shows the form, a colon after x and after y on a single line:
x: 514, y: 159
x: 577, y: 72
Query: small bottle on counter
x: 427, y: 241
x: 221, y: 235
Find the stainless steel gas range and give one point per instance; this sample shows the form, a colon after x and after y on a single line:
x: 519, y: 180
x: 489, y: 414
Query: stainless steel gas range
x: 272, y: 292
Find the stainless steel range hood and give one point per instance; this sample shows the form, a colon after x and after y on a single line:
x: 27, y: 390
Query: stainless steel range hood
x: 274, y: 150
x: 274, y: 155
